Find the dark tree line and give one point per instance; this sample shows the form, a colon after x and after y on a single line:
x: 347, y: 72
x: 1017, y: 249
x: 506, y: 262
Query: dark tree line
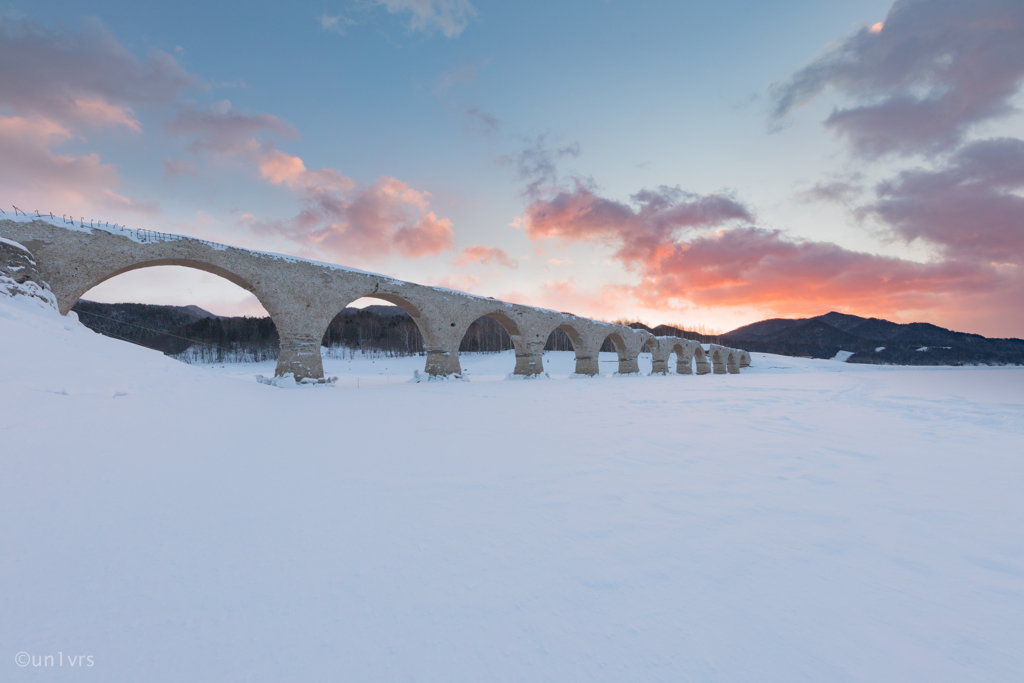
x: 386, y: 329
x: 230, y: 340
x: 195, y: 335
x: 141, y: 324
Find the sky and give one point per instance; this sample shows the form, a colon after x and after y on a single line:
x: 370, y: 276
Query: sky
x: 694, y: 163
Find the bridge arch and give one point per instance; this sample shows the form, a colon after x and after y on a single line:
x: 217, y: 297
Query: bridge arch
x: 625, y: 362
x: 659, y: 354
x: 507, y: 323
x: 700, y: 359
x: 406, y: 305
x: 732, y: 362
x: 213, y: 338
x: 554, y: 335
x: 70, y: 295
x: 683, y: 353
x: 502, y: 318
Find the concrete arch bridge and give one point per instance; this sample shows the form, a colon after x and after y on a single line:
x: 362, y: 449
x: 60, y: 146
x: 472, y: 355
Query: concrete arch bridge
x: 302, y: 297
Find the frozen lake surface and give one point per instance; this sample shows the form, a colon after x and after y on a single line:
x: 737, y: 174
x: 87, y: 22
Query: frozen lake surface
x: 806, y: 520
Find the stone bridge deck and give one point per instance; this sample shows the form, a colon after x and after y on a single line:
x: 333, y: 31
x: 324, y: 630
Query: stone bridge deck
x: 302, y: 297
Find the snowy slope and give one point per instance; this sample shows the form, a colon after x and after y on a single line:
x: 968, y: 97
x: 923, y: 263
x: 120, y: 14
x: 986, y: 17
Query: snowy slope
x: 803, y: 521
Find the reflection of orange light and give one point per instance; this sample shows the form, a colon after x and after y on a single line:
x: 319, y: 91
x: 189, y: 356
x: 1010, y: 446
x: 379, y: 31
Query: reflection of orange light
x: 877, y: 28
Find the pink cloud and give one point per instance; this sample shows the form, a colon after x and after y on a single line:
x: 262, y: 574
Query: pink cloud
x: 100, y: 113
x: 971, y: 206
x: 937, y: 69
x: 340, y: 217
x: 224, y: 130
x: 485, y: 255
x: 32, y: 172
x: 581, y: 214
x: 82, y: 78
x: 685, y: 252
x: 429, y: 237
x: 59, y: 83
x: 745, y: 266
x: 281, y: 168
x: 346, y: 221
x: 35, y: 131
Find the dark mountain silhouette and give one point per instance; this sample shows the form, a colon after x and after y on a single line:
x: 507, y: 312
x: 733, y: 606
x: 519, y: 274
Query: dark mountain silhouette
x: 874, y: 341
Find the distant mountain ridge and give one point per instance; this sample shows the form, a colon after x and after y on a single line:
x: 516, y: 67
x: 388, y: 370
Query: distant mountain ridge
x: 875, y: 341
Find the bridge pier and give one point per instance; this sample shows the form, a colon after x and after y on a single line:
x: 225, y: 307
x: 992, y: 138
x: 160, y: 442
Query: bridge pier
x: 587, y: 364
x: 718, y: 359
x: 629, y: 349
x: 301, y: 357
x: 700, y: 360
x: 442, y: 362
x: 529, y: 358
x: 628, y: 365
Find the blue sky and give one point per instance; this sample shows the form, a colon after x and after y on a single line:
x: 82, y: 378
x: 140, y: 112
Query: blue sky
x: 504, y: 148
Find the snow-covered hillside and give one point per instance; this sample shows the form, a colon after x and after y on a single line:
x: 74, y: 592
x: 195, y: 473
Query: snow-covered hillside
x: 802, y: 521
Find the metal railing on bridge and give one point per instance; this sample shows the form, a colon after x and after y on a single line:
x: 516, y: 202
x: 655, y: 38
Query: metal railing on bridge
x: 138, y: 234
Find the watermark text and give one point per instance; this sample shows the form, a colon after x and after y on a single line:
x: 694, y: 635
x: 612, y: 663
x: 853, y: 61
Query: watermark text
x: 54, y: 660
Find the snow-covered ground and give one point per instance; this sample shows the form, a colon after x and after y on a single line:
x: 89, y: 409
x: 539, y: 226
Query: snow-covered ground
x: 802, y: 521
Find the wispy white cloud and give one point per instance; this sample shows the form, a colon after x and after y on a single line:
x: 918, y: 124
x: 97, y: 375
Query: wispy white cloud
x: 451, y: 17
x: 335, y: 24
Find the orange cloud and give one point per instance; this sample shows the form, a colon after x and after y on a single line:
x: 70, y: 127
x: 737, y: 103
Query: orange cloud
x: 347, y: 221
x: 485, y: 255
x: 282, y: 169
x: 686, y: 255
x: 429, y: 237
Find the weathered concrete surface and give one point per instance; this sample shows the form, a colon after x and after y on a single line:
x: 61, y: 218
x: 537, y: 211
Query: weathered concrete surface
x: 302, y: 297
